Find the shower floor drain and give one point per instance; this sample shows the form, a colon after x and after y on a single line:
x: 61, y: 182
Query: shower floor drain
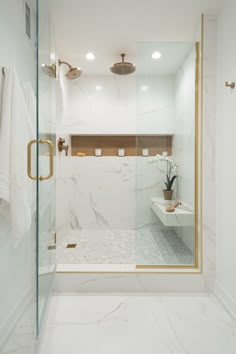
x: 71, y: 245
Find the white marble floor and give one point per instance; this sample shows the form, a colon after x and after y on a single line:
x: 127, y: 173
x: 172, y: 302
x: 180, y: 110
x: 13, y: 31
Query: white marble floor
x: 137, y: 324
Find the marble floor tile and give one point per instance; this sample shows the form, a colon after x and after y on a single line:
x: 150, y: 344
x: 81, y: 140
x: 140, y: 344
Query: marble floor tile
x: 21, y: 340
x: 174, y: 324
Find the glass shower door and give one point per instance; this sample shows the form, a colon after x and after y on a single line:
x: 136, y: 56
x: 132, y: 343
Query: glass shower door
x: 46, y: 183
x: 17, y: 191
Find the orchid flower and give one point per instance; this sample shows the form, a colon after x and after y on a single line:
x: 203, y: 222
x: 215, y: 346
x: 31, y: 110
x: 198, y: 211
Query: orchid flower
x: 171, y: 169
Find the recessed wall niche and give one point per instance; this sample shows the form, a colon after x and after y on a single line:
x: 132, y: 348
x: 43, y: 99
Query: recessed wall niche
x: 133, y: 144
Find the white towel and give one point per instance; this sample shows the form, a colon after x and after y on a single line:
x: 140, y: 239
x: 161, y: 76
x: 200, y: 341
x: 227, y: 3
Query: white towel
x: 15, y: 133
x: 30, y: 100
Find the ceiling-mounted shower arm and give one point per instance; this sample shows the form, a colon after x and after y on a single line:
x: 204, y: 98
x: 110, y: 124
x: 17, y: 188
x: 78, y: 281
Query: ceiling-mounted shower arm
x: 123, y: 67
x: 60, y: 62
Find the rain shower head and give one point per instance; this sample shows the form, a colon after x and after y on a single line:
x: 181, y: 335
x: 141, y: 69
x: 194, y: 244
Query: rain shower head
x: 123, y: 67
x: 72, y: 73
x: 50, y: 70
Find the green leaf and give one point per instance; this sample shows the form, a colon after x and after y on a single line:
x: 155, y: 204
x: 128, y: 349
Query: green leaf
x: 172, y: 181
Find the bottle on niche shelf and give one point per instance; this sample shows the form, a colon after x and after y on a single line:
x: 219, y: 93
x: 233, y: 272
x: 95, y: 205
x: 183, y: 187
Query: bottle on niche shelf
x: 145, y: 152
x: 98, y: 152
x: 121, y: 152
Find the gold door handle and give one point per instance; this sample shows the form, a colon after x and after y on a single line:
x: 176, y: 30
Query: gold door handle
x: 50, y: 144
x: 40, y: 141
x: 29, y: 159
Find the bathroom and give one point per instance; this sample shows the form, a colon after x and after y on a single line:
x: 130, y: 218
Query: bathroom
x: 115, y: 120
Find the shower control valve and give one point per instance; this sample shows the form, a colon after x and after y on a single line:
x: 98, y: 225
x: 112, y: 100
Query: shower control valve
x: 62, y: 146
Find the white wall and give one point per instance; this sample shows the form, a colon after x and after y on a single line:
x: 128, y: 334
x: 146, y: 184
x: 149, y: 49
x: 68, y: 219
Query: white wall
x: 225, y: 165
x: 208, y: 151
x: 16, y: 49
x: 17, y: 265
x: 112, y: 110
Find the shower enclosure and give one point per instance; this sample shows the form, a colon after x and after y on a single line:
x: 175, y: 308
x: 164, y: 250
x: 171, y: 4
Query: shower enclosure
x: 125, y: 134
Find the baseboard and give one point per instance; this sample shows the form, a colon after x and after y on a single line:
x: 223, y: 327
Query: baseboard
x: 226, y: 299
x: 9, y: 324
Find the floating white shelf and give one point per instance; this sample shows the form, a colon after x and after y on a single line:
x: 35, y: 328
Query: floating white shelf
x: 182, y: 216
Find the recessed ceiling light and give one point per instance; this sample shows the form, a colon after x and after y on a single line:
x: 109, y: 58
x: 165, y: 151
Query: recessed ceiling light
x: 156, y: 55
x: 144, y: 88
x: 98, y: 88
x: 90, y: 56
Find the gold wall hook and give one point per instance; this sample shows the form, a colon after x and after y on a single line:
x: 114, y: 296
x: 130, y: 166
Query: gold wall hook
x: 231, y: 85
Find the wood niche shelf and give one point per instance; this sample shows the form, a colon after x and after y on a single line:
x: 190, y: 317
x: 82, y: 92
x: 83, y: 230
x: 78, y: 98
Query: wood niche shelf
x: 133, y: 144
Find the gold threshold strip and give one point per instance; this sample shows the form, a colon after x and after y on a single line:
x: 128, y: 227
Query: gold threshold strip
x: 140, y: 270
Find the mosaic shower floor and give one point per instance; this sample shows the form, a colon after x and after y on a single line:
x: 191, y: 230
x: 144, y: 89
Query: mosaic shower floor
x: 146, y: 246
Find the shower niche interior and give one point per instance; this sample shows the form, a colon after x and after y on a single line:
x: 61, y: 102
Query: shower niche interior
x: 130, y: 138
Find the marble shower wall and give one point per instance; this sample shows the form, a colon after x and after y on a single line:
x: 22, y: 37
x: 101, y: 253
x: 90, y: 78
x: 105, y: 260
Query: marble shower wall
x: 96, y: 206
x: 107, y: 105
x: 184, y: 139
x: 95, y: 194
x: 100, y: 193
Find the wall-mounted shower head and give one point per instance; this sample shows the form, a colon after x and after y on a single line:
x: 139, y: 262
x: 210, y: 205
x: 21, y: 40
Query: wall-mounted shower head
x: 50, y: 70
x: 123, y: 67
x: 72, y: 73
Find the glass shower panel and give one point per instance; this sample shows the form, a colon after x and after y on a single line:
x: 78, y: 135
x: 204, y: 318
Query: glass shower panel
x: 17, y: 190
x: 165, y: 180
x: 46, y: 156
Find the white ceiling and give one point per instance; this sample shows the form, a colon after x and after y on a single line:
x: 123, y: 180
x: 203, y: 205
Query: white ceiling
x: 111, y: 27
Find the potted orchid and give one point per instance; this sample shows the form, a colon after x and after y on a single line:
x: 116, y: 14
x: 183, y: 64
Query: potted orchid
x: 170, y: 174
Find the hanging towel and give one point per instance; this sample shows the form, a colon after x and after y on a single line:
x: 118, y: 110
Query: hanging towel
x: 15, y: 133
x: 30, y: 101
